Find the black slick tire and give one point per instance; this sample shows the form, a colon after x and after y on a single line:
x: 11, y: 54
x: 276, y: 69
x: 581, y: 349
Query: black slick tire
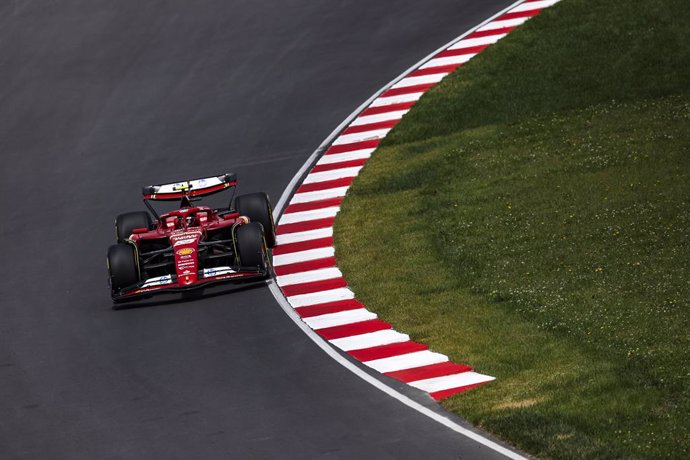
x: 127, y: 222
x: 257, y: 207
x: 251, y: 246
x: 122, y: 266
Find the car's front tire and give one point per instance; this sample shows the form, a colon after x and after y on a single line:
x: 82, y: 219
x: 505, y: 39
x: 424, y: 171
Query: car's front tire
x: 257, y: 207
x: 123, y: 268
x: 251, y: 246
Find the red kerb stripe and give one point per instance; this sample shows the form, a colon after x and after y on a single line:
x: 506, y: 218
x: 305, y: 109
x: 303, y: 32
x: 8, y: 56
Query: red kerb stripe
x: 312, y: 205
x: 387, y: 108
x: 370, y: 127
x: 386, y: 351
x: 329, y: 307
x: 439, y: 395
x: 342, y: 164
x: 316, y: 186
x: 428, y: 372
x: 300, y: 267
x: 304, y: 226
x: 316, y: 286
x: 488, y: 33
x: 434, y: 70
x: 407, y: 90
x: 520, y: 14
x: 348, y: 330
x: 303, y: 245
x: 461, y: 51
x: 342, y: 148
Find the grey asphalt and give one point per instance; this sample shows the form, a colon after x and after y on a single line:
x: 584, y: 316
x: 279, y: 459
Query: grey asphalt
x: 100, y: 97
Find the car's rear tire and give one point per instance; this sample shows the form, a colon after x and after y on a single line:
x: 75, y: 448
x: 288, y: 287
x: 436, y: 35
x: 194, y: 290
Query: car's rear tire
x: 122, y: 266
x: 251, y: 246
x: 257, y: 207
x: 127, y: 222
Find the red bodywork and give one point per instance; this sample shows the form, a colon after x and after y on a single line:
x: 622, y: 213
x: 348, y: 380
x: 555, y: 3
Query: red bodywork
x: 185, y: 229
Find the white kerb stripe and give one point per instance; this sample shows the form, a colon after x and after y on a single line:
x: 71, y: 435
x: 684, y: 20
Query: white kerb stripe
x: 331, y: 175
x: 501, y: 24
x: 309, y: 276
x: 339, y: 319
x: 298, y: 237
x: 315, y: 298
x: 363, y: 136
x: 421, y: 80
x: 388, y: 100
x: 407, y: 361
x: 308, y: 197
x: 313, y: 214
x: 370, y: 339
x: 461, y: 59
x: 379, y: 117
x: 533, y: 6
x: 470, y: 42
x: 447, y: 382
x: 347, y: 156
x: 303, y: 256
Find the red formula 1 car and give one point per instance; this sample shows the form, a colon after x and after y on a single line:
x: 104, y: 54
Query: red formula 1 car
x: 193, y: 246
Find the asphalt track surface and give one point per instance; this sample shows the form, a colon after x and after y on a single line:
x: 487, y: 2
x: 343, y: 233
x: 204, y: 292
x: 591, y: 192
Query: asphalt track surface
x: 98, y: 98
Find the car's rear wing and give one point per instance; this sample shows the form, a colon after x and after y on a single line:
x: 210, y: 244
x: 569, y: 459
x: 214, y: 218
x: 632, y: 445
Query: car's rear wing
x: 189, y: 188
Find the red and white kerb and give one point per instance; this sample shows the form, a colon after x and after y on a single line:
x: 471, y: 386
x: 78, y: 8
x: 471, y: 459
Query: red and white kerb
x: 304, y: 259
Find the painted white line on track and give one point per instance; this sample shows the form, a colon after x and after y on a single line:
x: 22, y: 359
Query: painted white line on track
x: 314, y: 214
x: 460, y: 59
x: 470, y: 42
x: 309, y: 276
x: 388, y: 100
x: 423, y: 80
x: 379, y: 117
x: 298, y: 237
x: 308, y: 197
x: 363, y: 136
x: 303, y: 256
x: 316, y: 298
x: 531, y: 6
x: 340, y: 318
x: 371, y: 339
x: 347, y: 156
x: 332, y: 175
x: 501, y: 24
x: 406, y: 361
x: 447, y: 382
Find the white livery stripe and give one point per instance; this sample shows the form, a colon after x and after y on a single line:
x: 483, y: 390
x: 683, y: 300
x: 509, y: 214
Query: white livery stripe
x: 379, y: 117
x: 371, y: 339
x: 348, y: 156
x: 314, y: 214
x: 339, y: 319
x: 470, y: 42
x: 531, y: 6
x: 303, y: 256
x: 310, y: 276
x: 308, y: 197
x: 315, y: 298
x: 422, y: 80
x: 388, y: 100
x: 461, y: 59
x: 501, y: 24
x: 304, y: 236
x: 331, y: 175
x: 407, y: 361
x: 363, y: 136
x: 447, y: 382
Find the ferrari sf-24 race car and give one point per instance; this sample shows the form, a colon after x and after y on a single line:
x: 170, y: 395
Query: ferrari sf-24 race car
x: 193, y: 246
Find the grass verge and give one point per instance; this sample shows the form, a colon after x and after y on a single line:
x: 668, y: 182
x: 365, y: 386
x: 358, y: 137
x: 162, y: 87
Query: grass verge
x: 531, y: 217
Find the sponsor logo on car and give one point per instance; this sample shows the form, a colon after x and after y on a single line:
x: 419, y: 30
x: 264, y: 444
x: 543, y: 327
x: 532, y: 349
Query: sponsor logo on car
x: 185, y: 251
x: 184, y: 241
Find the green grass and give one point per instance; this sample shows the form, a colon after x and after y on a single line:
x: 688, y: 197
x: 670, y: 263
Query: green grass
x: 531, y: 216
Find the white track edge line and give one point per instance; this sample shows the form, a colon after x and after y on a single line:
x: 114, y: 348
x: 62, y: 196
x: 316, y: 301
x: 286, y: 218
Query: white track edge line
x: 321, y: 343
